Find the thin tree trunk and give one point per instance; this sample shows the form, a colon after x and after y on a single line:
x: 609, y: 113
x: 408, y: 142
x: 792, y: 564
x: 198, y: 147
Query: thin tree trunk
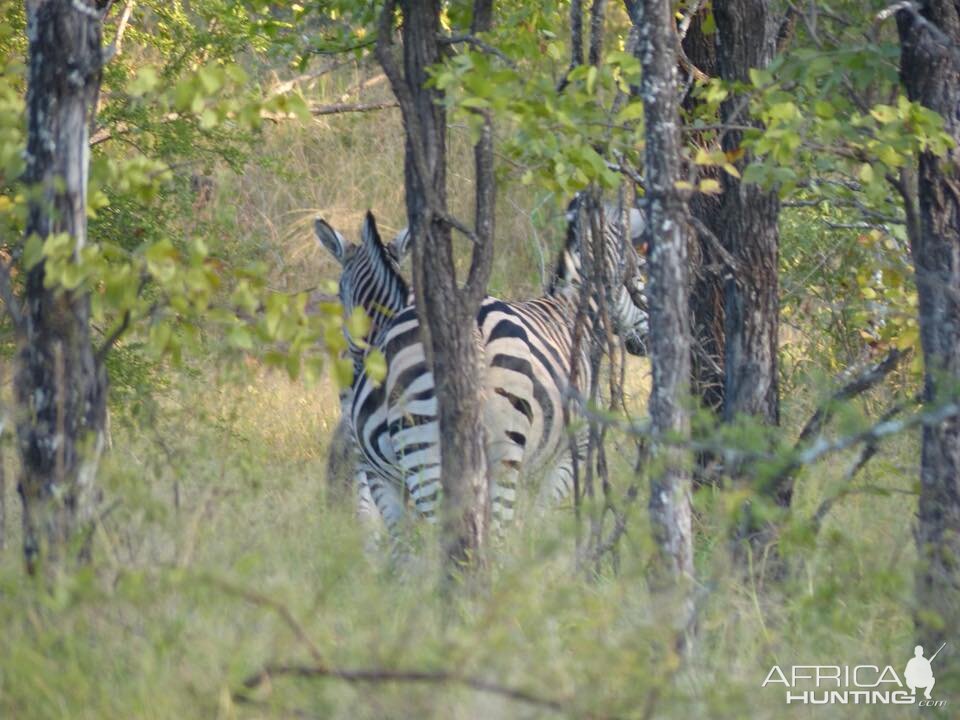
x: 930, y: 71
x: 668, y: 235
x: 60, y: 386
x: 447, y: 313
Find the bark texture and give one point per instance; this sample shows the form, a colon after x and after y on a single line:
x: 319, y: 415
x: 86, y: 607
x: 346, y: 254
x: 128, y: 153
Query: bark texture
x: 706, y: 293
x: 930, y: 71
x: 746, y: 38
x: 668, y: 236
x: 60, y: 385
x: 447, y: 312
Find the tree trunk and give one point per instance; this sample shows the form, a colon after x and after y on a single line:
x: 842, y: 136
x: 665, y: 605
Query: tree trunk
x: 747, y: 32
x: 707, y: 268
x: 447, y: 313
x: 60, y: 385
x: 706, y: 295
x: 930, y: 71
x: 667, y: 234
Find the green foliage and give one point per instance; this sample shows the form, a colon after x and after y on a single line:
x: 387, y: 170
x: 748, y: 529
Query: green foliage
x: 228, y: 508
x: 177, y: 102
x: 202, y: 184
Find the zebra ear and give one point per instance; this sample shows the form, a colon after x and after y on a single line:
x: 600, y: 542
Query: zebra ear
x: 330, y: 239
x: 369, y: 234
x: 400, y: 245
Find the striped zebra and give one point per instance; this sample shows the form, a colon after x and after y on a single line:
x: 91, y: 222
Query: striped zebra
x: 527, y: 351
x: 376, y: 282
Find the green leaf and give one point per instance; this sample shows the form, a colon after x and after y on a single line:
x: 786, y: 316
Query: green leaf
x: 145, y: 81
x: 32, y: 251
x: 211, y: 78
x: 631, y: 111
x: 823, y: 109
x: 375, y: 366
x: 343, y: 372
x: 591, y: 79
x: 240, y: 338
x: 358, y: 324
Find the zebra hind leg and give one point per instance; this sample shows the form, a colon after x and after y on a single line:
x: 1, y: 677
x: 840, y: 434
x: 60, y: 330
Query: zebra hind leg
x: 380, y: 499
x: 558, y: 484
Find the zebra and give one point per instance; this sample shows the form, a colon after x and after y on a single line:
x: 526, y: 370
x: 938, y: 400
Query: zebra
x: 528, y: 351
x: 344, y: 465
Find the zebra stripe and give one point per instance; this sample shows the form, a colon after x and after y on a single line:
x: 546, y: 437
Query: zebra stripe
x: 527, y: 350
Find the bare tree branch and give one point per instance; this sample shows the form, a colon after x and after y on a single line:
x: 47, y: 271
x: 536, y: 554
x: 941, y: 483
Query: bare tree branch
x: 340, y: 108
x: 821, y: 448
x: 10, y: 301
x: 869, y: 449
x: 708, y: 234
x: 422, y: 677
x: 576, y: 42
x: 257, y: 598
x: 595, y: 53
x: 486, y: 47
x: 856, y: 386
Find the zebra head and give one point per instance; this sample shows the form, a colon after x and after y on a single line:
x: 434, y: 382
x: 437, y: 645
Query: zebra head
x: 622, y: 263
x: 369, y: 277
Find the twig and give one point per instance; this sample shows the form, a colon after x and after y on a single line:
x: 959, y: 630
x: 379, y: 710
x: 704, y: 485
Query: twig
x: 339, y: 108
x: 815, y: 452
x: 426, y: 677
x: 486, y: 47
x: 370, y: 41
x: 619, y: 525
x: 879, y: 431
x: 108, y: 343
x: 9, y: 299
x: 262, y: 600
x: 728, y: 259
x: 288, y: 85
x: 867, y: 452
x: 122, y: 26
x: 857, y: 386
x: 113, y: 49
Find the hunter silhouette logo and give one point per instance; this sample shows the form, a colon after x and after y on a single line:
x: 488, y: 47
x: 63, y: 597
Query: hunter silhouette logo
x: 859, y: 684
x: 919, y: 674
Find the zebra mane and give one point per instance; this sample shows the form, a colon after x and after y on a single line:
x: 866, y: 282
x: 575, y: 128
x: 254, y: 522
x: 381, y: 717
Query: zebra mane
x: 567, y: 271
x: 381, y: 254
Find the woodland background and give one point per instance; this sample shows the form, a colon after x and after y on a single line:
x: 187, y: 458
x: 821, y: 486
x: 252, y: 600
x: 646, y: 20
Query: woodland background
x: 219, y: 550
